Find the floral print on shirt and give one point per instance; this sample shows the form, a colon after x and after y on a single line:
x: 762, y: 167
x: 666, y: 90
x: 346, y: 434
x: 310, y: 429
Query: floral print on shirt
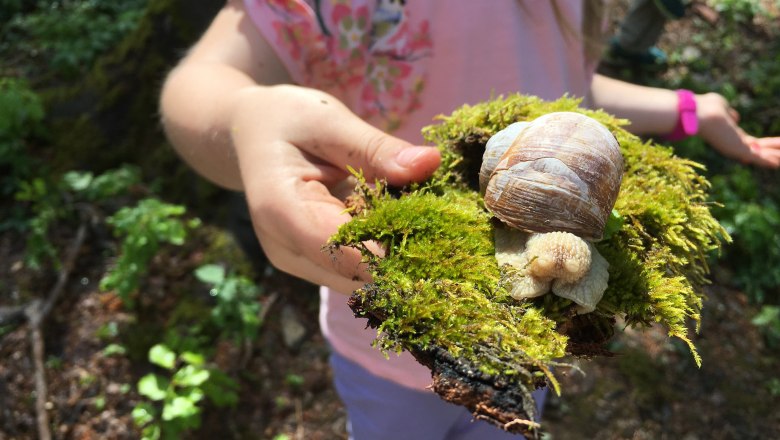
x: 369, y: 49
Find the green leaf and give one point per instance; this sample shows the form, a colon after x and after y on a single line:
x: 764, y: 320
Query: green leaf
x: 227, y: 292
x: 179, y: 407
x: 193, y: 358
x: 294, y: 380
x: 114, y: 349
x: 77, y: 181
x: 210, y: 274
x: 107, y: 331
x: 113, y: 182
x: 162, y: 356
x: 142, y: 414
x: 191, y: 376
x: 151, y: 432
x: 153, y: 386
x: 249, y: 314
x: 614, y: 223
x: 767, y: 316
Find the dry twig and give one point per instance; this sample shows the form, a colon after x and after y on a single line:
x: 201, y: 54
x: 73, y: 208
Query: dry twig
x: 35, y: 312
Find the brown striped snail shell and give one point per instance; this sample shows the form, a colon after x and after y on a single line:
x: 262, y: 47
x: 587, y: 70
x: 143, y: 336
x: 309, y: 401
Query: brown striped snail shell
x: 562, y: 172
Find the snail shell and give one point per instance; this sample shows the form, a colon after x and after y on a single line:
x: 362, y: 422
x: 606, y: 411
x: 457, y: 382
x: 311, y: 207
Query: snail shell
x: 561, y: 173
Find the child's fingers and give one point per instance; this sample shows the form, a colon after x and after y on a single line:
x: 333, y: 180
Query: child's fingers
x: 295, y: 236
x: 766, y: 151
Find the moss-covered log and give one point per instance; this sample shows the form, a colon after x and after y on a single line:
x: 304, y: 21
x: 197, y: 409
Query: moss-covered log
x: 437, y: 291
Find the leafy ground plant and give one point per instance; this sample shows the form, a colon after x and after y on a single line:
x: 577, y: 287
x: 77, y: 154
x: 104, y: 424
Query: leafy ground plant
x: 67, y: 35
x: 143, y: 228
x: 176, y: 397
x: 21, y: 118
x: 64, y: 201
x: 752, y: 215
x: 237, y: 311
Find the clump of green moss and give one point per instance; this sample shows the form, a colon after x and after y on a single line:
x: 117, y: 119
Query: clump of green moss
x: 439, y: 279
x: 438, y: 283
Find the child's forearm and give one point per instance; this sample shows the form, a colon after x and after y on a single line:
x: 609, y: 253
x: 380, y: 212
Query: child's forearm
x: 200, y: 96
x: 649, y: 110
x: 653, y: 111
x: 197, y: 116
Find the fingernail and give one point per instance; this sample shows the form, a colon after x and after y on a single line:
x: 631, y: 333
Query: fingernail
x: 408, y: 156
x: 755, y: 146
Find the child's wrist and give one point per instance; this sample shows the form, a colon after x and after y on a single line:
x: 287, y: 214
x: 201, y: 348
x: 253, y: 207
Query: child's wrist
x: 687, y: 120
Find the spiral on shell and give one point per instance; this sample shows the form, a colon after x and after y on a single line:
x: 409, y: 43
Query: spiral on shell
x: 562, y: 172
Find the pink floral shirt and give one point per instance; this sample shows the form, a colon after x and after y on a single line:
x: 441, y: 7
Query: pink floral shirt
x: 366, y: 50
x: 398, y: 64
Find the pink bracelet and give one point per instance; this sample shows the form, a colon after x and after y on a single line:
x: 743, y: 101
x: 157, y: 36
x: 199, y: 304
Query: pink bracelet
x: 687, y: 121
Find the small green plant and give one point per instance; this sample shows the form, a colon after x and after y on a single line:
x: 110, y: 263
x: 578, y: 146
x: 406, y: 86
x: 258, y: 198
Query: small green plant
x: 768, y: 319
x: 46, y: 208
x: 143, y: 228
x: 107, y: 331
x: 738, y: 11
x: 294, y: 380
x: 21, y: 117
x: 175, y: 399
x: 237, y: 310
x: 752, y: 217
x: 69, y: 34
x: 48, y: 202
x: 114, y: 350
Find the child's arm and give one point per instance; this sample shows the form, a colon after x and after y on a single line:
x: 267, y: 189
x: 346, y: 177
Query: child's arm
x: 231, y: 113
x: 654, y: 111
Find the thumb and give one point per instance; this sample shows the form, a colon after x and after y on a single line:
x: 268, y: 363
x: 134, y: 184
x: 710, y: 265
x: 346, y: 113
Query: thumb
x: 397, y: 161
x: 342, y: 138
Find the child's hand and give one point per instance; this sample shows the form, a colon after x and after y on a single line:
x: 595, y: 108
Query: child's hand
x: 718, y: 127
x: 291, y: 162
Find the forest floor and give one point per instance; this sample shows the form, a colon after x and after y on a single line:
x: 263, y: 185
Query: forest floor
x: 650, y: 389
